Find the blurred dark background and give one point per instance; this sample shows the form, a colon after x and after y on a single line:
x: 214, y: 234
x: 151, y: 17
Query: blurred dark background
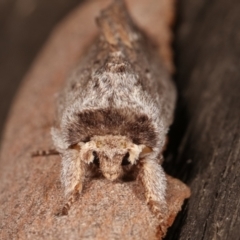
x: 24, y: 27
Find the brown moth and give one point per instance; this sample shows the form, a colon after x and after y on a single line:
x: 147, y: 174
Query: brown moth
x: 115, y: 111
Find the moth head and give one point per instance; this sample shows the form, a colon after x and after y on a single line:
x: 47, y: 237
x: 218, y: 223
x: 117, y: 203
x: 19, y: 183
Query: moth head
x: 112, y: 154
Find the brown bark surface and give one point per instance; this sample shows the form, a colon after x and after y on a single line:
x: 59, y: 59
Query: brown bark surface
x: 30, y: 190
x: 208, y: 54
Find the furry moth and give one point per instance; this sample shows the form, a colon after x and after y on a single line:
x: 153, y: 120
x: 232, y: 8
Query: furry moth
x: 115, y: 110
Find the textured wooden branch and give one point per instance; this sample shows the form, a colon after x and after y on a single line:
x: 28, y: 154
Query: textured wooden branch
x: 208, y: 62
x: 30, y: 190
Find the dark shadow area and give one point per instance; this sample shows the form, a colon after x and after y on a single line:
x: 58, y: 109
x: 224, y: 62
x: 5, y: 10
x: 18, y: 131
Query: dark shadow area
x: 178, y: 168
x: 171, y: 164
x: 174, y: 231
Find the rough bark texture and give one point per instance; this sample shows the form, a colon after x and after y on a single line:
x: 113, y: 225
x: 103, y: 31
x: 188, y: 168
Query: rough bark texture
x: 30, y: 191
x: 208, y: 77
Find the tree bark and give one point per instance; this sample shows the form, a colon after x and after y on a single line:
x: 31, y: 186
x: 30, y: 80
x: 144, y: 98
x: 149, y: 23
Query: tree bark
x: 208, y: 53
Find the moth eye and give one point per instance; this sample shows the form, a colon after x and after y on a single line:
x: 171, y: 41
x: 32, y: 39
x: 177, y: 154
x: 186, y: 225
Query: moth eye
x: 125, y: 160
x: 96, y: 159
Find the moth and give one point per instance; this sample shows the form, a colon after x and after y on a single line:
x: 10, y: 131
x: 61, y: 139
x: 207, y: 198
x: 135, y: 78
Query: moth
x: 115, y: 110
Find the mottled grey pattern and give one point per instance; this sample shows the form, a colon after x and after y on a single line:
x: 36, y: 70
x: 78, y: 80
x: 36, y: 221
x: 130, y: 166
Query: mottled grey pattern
x: 120, y: 88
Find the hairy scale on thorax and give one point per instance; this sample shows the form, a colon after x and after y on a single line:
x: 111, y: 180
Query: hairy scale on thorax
x: 115, y: 111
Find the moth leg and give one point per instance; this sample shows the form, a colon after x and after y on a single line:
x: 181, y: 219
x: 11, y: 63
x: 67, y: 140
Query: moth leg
x: 49, y: 152
x: 72, y: 197
x: 73, y: 174
x: 154, y: 181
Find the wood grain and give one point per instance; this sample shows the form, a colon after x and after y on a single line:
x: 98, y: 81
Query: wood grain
x: 208, y: 50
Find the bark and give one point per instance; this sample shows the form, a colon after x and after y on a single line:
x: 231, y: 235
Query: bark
x: 30, y: 190
x: 208, y: 76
